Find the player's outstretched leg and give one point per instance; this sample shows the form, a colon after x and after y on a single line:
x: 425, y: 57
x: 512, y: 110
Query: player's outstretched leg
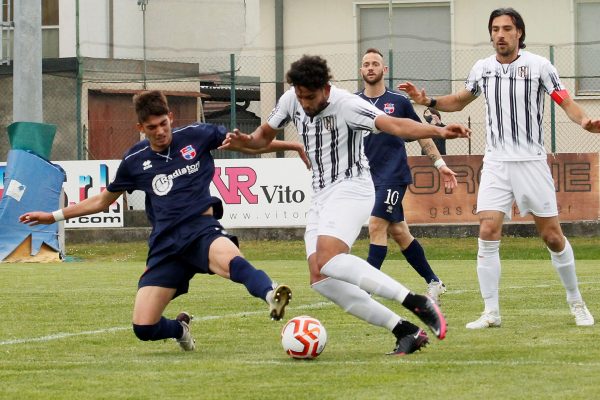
x: 354, y: 270
x: 259, y: 284
x: 186, y: 341
x: 277, y: 299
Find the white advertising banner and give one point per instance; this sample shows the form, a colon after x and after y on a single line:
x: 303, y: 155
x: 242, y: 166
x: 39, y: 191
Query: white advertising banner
x: 265, y: 192
x: 85, y: 179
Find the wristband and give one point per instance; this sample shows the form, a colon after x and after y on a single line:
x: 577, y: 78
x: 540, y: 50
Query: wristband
x: 59, y: 216
x: 439, y: 163
x: 432, y: 103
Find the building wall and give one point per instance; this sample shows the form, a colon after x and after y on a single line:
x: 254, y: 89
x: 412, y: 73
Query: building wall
x: 206, y: 32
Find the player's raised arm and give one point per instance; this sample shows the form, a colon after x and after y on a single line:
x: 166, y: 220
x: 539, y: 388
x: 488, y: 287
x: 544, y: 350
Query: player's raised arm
x: 409, y: 129
x: 88, y: 206
x: 238, y: 141
x: 259, y: 139
x: 452, y: 102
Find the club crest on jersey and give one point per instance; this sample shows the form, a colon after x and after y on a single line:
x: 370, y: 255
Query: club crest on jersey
x: 523, y: 72
x: 389, y: 108
x: 188, y: 152
x: 329, y: 122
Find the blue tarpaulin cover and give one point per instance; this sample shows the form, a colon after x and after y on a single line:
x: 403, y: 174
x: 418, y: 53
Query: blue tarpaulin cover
x: 30, y: 184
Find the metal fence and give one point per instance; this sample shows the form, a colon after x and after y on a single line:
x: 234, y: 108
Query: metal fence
x: 89, y: 100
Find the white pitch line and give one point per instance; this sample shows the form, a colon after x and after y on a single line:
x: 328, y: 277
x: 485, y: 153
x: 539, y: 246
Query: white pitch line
x: 64, y: 335
x: 437, y: 363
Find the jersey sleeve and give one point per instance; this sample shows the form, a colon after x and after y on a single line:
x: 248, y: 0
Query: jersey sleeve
x: 360, y: 114
x: 123, y: 180
x: 549, y: 77
x: 472, y: 82
x: 410, y: 111
x: 282, y: 113
x: 217, y: 134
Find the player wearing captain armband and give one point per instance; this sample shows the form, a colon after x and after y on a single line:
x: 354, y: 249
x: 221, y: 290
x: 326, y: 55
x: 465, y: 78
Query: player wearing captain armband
x: 515, y: 169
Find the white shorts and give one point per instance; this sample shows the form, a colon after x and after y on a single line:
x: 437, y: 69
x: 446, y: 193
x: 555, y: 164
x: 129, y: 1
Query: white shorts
x: 340, y: 211
x: 528, y: 183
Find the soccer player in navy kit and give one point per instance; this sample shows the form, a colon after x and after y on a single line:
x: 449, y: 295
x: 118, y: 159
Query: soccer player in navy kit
x: 515, y: 167
x: 391, y: 175
x: 174, y: 168
x: 331, y: 123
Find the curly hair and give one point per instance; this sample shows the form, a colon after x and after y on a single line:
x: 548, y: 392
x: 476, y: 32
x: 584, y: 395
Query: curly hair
x: 310, y: 72
x: 149, y: 103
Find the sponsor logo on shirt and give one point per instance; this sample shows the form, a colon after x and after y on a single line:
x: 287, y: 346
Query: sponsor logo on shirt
x: 188, y: 152
x: 388, y: 108
x: 162, y: 184
x: 146, y: 165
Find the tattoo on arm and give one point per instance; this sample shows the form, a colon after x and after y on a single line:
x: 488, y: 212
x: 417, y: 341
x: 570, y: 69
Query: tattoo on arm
x: 428, y: 148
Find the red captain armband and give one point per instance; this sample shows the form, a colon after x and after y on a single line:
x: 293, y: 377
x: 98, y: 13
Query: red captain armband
x: 559, y: 96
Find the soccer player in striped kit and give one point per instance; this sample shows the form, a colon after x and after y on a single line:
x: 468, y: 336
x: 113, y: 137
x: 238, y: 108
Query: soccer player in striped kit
x: 513, y: 82
x: 331, y: 122
x: 391, y: 175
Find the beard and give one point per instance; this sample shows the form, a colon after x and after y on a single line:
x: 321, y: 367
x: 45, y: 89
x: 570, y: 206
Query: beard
x: 312, y: 113
x: 373, y: 79
x: 505, y: 50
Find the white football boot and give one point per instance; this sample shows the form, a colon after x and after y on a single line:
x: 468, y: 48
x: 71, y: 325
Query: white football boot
x: 277, y: 299
x: 435, y: 289
x: 488, y: 319
x: 186, y: 341
x: 582, y: 315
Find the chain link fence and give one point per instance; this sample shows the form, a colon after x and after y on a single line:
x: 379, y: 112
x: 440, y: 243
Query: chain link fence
x: 89, y: 99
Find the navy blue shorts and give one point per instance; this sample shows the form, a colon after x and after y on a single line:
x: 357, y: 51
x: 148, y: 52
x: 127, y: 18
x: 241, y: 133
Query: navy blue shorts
x: 176, y: 270
x: 388, y: 202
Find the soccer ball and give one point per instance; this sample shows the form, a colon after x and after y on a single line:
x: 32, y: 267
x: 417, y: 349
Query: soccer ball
x: 303, y: 337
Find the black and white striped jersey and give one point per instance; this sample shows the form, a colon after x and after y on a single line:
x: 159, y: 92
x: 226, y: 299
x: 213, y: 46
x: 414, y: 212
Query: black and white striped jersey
x: 333, y: 138
x: 514, y: 100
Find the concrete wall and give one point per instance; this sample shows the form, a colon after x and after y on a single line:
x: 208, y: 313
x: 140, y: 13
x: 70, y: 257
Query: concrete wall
x: 137, y: 229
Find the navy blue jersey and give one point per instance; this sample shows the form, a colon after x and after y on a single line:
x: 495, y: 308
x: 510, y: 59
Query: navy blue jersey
x: 176, y: 183
x: 386, y: 152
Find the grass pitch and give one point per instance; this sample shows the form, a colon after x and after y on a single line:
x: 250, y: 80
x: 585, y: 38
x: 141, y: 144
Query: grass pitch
x: 66, y: 334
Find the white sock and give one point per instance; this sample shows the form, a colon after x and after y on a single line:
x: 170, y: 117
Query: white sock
x: 488, y: 272
x: 355, y: 270
x: 564, y: 262
x: 357, y: 302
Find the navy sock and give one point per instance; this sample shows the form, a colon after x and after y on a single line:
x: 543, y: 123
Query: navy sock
x: 163, y: 329
x: 415, y: 255
x: 256, y: 281
x: 377, y: 254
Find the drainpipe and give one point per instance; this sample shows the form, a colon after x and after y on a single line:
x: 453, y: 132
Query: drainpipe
x: 79, y: 83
